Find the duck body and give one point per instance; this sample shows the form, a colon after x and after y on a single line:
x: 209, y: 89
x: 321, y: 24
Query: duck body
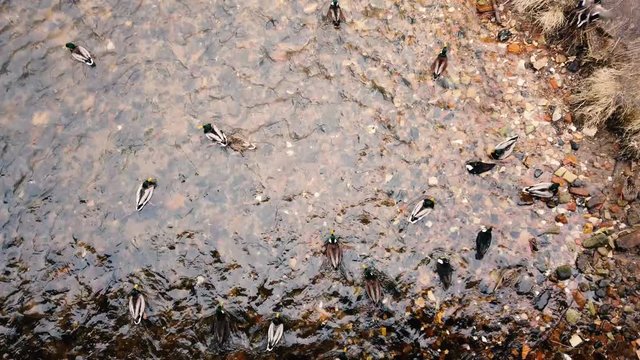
x: 483, y: 242
x: 214, y: 134
x: 444, y: 271
x: 221, y: 326
x: 588, y: 11
x: 504, y: 149
x: 335, y: 14
x: 145, y: 192
x: 440, y: 63
x: 545, y: 190
x: 81, y: 54
x: 478, y: 167
x: 275, y: 332
x: 333, y: 251
x: 137, y: 305
x: 422, y: 209
x: 372, y: 286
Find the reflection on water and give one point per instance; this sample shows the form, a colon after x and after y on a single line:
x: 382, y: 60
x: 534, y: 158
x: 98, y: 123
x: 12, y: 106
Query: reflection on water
x: 348, y: 127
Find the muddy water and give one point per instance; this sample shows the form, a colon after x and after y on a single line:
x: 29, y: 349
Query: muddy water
x: 349, y: 129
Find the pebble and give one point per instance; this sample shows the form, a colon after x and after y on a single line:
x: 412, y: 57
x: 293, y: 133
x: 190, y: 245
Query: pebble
x: 572, y: 316
x: 540, y: 63
x: 433, y: 181
x: 542, y: 300
x: 525, y: 285
x: 590, y: 131
x: 597, y: 240
x: 574, y: 145
x: 579, y: 191
x: 563, y: 272
x: 537, y: 173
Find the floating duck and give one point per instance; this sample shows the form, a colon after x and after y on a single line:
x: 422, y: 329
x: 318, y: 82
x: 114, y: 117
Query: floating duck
x: 221, y: 325
x: 478, y: 167
x: 81, y: 54
x: 483, y: 241
x: 440, y: 63
x: 422, y: 209
x: 136, y: 304
x: 274, y: 335
x: 333, y: 250
x: 372, y: 285
x: 214, y: 134
x: 444, y: 270
x: 335, y: 14
x: 543, y: 190
x: 145, y: 191
x: 588, y: 11
x: 504, y: 149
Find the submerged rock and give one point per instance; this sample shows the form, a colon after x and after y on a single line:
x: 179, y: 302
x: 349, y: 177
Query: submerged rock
x: 542, y: 300
x: 596, y: 240
x: 563, y: 272
x: 572, y: 316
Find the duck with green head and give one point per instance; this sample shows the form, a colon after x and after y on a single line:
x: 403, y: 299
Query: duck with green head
x: 335, y: 14
x: 81, y: 54
x: 276, y: 330
x: 372, y: 285
x: 440, y: 63
x: 136, y: 304
x: 214, y: 134
x: 333, y: 250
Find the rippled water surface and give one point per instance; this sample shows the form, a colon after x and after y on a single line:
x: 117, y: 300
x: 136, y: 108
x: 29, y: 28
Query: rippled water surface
x: 349, y: 129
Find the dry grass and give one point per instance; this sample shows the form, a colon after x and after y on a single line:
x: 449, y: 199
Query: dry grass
x: 598, y: 97
x: 551, y: 20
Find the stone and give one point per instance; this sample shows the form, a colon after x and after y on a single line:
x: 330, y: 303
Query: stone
x: 629, y: 241
x: 433, y: 181
x: 504, y: 35
x: 569, y: 176
x: 570, y: 160
x: 557, y: 113
x: 597, y: 240
x: 564, y: 198
x: 579, y: 298
x: 574, y: 145
x: 560, y: 59
x: 542, y: 300
x: 540, y: 63
x: 572, y: 316
x: 563, y: 272
x: 590, y: 131
x: 562, y: 218
x: 571, y: 206
x: 579, y: 191
x: 525, y: 285
x: 587, y: 228
x: 537, y: 173
x: 575, y: 340
x: 595, y: 201
x: 514, y: 48
x: 561, y: 170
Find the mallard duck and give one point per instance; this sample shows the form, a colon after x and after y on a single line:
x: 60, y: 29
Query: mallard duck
x: 478, y: 167
x: 588, y: 11
x: 444, y: 270
x: 335, y: 14
x: 504, y: 149
x: 372, y: 285
x: 543, y: 190
x: 145, y: 191
x: 440, y: 63
x: 239, y: 144
x: 274, y: 335
x: 483, y: 241
x: 221, y: 325
x: 81, y: 54
x: 136, y: 304
x: 333, y: 250
x: 422, y: 209
x: 214, y: 134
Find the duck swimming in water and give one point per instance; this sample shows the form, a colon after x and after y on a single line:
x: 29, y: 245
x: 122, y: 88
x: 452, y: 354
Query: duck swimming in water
x: 144, y: 193
x: 504, y: 149
x: 545, y: 190
x: 422, y: 209
x: 276, y: 330
x: 333, y: 250
x: 335, y: 14
x: 221, y: 325
x: 478, y: 167
x: 440, y: 63
x: 483, y: 241
x: 81, y: 54
x: 444, y: 271
x: 372, y: 285
x: 214, y: 134
x: 136, y: 304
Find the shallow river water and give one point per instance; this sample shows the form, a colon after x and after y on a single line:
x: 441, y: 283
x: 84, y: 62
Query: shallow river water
x: 349, y: 129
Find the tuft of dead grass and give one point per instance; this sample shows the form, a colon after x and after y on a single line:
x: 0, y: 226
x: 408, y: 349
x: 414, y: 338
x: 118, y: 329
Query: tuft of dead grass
x: 598, y: 97
x: 552, y: 19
